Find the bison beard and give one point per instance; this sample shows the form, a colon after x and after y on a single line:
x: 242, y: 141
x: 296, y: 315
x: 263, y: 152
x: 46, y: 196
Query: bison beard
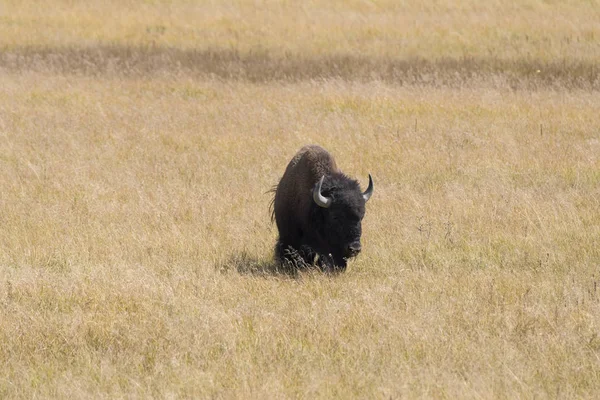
x: 318, y: 211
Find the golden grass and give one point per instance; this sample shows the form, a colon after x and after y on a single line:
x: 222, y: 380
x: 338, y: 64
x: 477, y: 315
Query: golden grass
x: 136, y: 243
x: 129, y: 206
x: 531, y: 29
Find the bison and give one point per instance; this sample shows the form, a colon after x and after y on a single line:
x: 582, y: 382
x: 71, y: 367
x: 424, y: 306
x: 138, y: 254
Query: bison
x: 318, y: 211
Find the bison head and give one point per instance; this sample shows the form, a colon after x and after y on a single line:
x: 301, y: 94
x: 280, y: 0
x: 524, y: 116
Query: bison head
x: 337, y: 212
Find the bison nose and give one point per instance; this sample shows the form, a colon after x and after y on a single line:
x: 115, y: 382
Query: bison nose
x: 354, y: 249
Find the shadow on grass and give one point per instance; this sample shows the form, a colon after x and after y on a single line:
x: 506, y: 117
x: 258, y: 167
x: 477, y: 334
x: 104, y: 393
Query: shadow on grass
x: 261, y: 66
x: 246, y: 264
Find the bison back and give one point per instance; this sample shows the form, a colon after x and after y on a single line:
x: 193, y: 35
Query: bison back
x: 293, y: 196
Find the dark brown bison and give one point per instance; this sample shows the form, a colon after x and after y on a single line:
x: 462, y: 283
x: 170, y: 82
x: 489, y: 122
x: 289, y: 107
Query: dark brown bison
x: 318, y: 211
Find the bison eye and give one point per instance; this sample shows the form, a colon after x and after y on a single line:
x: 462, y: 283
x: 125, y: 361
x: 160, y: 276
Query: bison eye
x: 335, y: 217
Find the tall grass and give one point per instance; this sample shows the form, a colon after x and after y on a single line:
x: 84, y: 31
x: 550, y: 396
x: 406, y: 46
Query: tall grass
x: 136, y: 245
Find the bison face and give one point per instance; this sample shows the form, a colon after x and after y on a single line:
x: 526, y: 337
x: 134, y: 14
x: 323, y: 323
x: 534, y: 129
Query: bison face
x: 340, y: 208
x: 343, y: 229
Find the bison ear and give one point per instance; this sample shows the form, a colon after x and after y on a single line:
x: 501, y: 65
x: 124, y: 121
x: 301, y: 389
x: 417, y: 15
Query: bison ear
x: 321, y: 200
x: 369, y: 192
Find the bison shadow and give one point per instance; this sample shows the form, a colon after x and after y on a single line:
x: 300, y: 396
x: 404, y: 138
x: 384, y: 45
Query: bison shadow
x: 246, y: 264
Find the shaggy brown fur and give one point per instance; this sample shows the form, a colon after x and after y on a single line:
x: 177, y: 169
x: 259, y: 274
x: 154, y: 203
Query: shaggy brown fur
x: 308, y: 232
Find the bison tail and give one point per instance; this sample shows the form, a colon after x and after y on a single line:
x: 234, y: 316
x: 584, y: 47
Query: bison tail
x: 273, y: 190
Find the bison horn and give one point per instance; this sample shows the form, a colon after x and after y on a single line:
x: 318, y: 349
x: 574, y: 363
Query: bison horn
x: 369, y: 192
x: 321, y: 200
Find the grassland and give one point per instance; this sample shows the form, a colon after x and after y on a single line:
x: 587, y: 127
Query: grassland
x: 137, y: 144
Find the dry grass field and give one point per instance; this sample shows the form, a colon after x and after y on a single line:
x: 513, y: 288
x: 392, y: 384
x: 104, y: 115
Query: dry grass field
x: 138, y: 141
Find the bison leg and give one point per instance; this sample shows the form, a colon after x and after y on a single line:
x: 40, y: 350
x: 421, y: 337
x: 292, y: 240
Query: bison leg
x: 286, y: 255
x: 308, y: 255
x: 280, y: 251
x: 289, y: 255
x: 328, y: 263
x: 325, y: 263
